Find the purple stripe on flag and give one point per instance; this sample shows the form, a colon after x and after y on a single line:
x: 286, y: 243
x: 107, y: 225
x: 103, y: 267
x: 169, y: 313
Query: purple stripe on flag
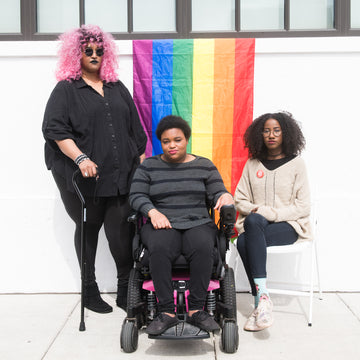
x: 142, y: 61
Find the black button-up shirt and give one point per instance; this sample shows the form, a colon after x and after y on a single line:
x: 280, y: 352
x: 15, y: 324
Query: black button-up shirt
x: 107, y: 129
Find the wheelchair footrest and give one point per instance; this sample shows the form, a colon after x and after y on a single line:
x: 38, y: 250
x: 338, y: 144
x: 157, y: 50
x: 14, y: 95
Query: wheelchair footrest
x: 182, y: 331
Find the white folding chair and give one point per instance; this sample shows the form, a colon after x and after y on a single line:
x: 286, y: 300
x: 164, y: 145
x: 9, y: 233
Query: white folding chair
x: 302, y: 247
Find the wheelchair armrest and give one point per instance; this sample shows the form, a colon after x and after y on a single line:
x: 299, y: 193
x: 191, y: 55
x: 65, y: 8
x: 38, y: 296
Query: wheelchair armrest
x: 136, y: 247
x: 222, y: 245
x: 134, y: 217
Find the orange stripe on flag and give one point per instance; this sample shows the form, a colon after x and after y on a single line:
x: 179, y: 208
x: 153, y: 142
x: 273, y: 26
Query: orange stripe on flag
x: 224, y: 71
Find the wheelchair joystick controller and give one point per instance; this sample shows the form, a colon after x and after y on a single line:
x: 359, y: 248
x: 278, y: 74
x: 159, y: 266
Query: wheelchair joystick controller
x: 227, y: 219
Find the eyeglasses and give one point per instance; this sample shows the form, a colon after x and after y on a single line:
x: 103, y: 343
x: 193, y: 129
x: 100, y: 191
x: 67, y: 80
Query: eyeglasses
x: 89, y: 51
x: 276, y: 132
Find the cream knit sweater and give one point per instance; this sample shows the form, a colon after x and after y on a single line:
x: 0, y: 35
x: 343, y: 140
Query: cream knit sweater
x: 281, y: 195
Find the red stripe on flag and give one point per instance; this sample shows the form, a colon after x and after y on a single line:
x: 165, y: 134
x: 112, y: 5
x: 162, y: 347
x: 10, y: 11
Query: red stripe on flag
x: 243, y: 104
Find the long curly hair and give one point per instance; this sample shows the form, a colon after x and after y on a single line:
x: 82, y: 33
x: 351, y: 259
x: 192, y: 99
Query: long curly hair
x: 293, y: 141
x: 73, y: 42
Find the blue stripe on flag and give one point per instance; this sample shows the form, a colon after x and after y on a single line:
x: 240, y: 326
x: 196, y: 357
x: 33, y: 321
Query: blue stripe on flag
x: 162, y: 80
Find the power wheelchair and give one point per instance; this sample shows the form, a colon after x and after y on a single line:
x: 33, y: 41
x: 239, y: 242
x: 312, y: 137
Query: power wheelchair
x: 221, y: 296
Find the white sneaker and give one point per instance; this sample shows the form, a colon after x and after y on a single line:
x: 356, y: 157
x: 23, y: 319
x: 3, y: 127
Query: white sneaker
x: 250, y: 324
x: 264, y: 318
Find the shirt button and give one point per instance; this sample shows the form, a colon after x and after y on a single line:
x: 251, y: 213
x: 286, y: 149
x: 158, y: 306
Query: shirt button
x: 106, y: 104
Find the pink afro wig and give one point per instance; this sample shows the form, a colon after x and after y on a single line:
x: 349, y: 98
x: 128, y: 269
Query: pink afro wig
x: 74, y: 42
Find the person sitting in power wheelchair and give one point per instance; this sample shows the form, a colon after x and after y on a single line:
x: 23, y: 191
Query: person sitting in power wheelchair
x: 172, y: 190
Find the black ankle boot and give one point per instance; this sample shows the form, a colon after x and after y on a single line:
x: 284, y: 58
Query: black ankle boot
x: 93, y: 300
x: 121, y: 299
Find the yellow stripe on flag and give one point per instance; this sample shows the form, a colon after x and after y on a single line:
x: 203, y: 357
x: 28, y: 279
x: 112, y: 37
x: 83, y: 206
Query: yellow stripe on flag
x: 203, y: 96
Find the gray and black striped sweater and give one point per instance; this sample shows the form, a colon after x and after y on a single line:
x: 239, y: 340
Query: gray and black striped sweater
x: 178, y: 190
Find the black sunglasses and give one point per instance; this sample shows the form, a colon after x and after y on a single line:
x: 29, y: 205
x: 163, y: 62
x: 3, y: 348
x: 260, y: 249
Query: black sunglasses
x: 89, y: 51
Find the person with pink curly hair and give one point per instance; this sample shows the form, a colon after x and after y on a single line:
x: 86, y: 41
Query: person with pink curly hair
x: 91, y: 123
x: 73, y: 44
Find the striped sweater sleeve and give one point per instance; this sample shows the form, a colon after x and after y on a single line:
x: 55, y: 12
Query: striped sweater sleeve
x: 214, y: 184
x: 139, y: 192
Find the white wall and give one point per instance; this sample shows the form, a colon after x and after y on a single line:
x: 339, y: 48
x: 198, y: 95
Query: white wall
x: 314, y: 78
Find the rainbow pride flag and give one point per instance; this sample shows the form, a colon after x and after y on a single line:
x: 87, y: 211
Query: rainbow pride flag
x: 209, y: 83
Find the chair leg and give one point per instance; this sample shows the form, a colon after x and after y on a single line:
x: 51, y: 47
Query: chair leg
x: 318, y: 270
x: 311, y: 285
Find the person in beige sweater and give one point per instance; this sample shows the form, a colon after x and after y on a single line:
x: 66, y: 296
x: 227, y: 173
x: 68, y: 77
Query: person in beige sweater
x: 273, y: 202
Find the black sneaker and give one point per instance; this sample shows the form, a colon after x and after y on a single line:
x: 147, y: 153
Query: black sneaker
x: 121, y: 302
x: 93, y: 300
x: 97, y: 304
x: 121, y: 299
x: 203, y: 320
x: 161, y: 323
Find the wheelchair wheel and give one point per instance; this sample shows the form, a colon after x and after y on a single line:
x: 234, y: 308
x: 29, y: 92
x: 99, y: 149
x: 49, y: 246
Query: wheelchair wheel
x: 134, y: 293
x: 230, y: 337
x: 129, y: 337
x: 228, y: 292
x: 134, y: 287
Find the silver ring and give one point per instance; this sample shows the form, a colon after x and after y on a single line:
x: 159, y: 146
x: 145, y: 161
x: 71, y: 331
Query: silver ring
x: 86, y: 174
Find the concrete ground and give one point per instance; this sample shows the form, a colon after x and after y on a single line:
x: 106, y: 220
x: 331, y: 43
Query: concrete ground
x: 46, y: 327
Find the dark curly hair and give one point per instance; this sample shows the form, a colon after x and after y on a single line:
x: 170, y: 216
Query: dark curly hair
x: 293, y: 141
x: 173, y: 122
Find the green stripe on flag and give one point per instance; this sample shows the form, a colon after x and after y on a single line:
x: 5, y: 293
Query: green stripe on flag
x: 182, y: 80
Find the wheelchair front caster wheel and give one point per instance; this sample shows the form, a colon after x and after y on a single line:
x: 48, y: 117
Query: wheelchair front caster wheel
x: 129, y: 337
x: 230, y: 337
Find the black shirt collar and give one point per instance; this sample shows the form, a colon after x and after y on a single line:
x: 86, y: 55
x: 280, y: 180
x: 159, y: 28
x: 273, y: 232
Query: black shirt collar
x: 81, y: 83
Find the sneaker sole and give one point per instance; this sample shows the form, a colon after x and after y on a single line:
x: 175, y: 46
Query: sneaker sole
x: 253, y: 328
x: 264, y: 326
x: 106, y: 311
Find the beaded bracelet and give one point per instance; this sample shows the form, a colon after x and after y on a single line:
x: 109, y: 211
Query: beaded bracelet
x: 80, y: 159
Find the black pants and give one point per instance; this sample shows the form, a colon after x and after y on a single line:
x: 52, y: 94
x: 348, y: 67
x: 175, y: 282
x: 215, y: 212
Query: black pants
x: 165, y: 245
x: 113, y: 213
x: 259, y: 234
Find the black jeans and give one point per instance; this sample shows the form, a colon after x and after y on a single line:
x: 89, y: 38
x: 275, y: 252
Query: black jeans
x: 165, y: 245
x: 259, y: 234
x: 113, y: 213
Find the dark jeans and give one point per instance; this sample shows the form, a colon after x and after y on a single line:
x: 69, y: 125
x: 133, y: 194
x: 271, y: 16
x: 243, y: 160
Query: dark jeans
x: 259, y: 234
x: 113, y: 213
x: 165, y: 245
